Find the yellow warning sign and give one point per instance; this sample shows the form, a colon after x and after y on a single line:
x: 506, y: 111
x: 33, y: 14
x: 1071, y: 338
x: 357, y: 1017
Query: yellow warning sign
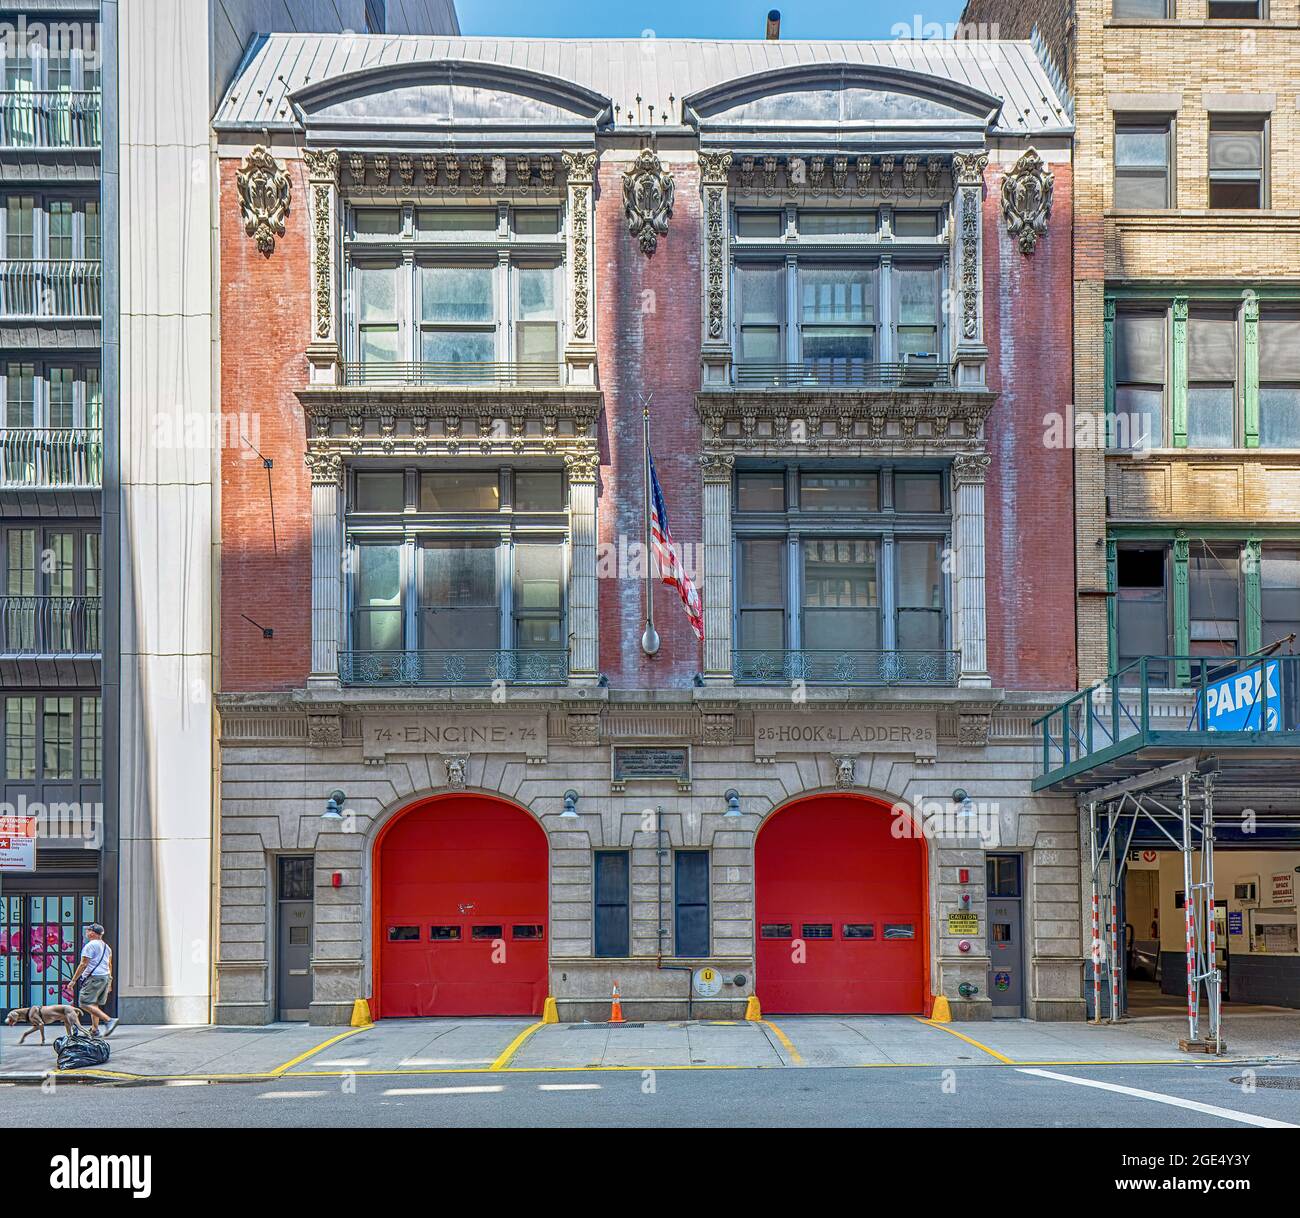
x: 963, y: 924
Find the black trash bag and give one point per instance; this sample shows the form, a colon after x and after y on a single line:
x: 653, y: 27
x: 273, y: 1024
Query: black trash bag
x: 76, y: 1052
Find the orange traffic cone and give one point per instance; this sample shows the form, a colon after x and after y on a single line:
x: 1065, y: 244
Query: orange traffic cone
x: 615, y: 1007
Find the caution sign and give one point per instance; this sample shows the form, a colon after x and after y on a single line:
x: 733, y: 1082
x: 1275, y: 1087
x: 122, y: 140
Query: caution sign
x: 964, y: 924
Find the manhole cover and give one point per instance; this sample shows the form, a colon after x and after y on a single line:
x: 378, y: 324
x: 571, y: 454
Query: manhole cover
x: 1279, y: 1083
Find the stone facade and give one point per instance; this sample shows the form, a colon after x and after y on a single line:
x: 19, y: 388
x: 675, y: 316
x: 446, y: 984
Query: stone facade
x: 644, y: 330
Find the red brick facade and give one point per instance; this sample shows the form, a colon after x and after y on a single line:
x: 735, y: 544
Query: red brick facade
x: 648, y: 334
x: 265, y: 572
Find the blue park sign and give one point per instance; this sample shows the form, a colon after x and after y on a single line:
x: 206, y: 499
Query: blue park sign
x: 1235, y: 703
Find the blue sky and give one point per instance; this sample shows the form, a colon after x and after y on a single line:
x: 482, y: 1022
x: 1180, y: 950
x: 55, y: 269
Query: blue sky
x: 707, y: 19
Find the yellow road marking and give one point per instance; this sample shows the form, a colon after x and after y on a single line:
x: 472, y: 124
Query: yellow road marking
x: 929, y: 1023
x: 302, y: 1057
x: 513, y: 1047
x: 786, y: 1042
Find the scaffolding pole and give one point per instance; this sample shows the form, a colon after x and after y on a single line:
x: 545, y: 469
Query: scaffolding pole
x: 1096, y: 916
x: 1189, y: 906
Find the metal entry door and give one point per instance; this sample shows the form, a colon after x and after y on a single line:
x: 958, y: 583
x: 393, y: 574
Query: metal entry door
x: 1006, y: 949
x: 293, y: 938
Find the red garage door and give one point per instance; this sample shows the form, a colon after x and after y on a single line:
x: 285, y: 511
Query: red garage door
x: 462, y: 926
x: 841, y: 905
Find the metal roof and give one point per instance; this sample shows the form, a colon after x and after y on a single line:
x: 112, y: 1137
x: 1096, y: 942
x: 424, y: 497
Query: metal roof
x: 660, y: 71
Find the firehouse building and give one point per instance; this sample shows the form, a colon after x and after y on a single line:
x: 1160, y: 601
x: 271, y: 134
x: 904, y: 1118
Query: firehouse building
x: 457, y: 277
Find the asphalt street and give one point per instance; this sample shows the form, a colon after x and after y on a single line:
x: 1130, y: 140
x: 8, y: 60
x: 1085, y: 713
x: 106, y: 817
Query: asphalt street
x: 984, y: 1096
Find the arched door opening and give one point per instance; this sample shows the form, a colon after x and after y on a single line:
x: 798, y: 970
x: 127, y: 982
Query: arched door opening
x: 461, y: 925
x: 841, y: 910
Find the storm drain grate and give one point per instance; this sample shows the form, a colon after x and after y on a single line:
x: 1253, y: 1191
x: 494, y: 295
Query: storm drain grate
x: 1279, y: 1083
x: 582, y: 1027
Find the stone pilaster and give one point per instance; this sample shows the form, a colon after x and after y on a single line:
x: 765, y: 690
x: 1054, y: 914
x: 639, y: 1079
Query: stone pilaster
x: 324, y: 352
x: 327, y: 636
x: 584, y: 624
x: 970, y: 354
x: 970, y: 622
x: 580, y: 348
x: 716, y: 350
x: 717, y: 568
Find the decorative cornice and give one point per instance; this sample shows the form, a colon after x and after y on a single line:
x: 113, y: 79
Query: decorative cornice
x: 1027, y: 200
x: 648, y: 192
x: 471, y: 173
x: 264, y: 193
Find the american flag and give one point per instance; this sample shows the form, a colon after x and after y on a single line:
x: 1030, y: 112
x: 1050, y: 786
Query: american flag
x: 670, y: 565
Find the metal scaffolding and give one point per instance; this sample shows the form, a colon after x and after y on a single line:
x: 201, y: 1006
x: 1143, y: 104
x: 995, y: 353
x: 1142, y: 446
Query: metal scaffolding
x: 1114, y: 813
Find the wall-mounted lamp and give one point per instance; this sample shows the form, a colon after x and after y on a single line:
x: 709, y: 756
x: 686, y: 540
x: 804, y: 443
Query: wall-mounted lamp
x: 570, y: 804
x: 733, y: 802
x: 334, y: 808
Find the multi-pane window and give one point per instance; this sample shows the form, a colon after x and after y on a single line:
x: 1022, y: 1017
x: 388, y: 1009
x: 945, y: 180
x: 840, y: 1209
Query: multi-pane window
x: 1279, y: 594
x: 814, y: 288
x: 1141, y: 363
x: 1211, y: 378
x: 462, y: 560
x: 20, y: 227
x: 57, y: 738
x: 51, y: 588
x: 1237, y: 160
x: 691, y: 903
x: 1142, y: 177
x: 1236, y: 10
x: 92, y: 738
x: 840, y: 560
x: 1140, y: 9
x: 612, y: 930
x: 20, y: 739
x: 1214, y: 601
x: 456, y: 291
x: 20, y: 395
x: 1142, y: 608
x: 54, y: 738
x: 1279, y: 378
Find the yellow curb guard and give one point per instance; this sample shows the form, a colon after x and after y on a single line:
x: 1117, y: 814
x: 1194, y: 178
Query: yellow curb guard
x: 302, y: 1057
x: 753, y: 1012
x: 361, y: 1014
x: 952, y: 1032
x: 942, y: 1012
x: 786, y: 1043
x: 550, y: 1011
x: 513, y: 1047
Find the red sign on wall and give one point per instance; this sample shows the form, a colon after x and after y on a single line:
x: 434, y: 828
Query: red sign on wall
x: 17, y: 843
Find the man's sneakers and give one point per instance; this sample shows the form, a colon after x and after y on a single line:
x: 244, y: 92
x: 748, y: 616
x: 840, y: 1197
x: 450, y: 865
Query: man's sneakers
x: 110, y: 1027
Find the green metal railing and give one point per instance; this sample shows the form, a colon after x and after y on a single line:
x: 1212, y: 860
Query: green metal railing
x: 831, y: 667
x: 455, y: 668
x: 1172, y: 700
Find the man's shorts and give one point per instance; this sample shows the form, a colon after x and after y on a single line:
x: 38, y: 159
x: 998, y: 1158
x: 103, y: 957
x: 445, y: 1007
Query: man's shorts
x: 93, y: 991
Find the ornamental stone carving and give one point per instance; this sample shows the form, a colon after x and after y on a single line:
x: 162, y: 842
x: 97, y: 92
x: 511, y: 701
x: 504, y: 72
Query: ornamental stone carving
x: 455, y: 767
x: 648, y: 192
x: 845, y: 771
x: 970, y: 469
x: 264, y: 192
x: 968, y: 167
x: 714, y: 168
x: 1027, y: 200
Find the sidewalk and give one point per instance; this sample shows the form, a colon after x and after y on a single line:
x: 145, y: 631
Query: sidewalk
x: 442, y: 1046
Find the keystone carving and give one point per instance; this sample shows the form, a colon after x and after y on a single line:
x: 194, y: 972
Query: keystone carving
x: 263, y: 198
x: 845, y: 771
x: 1027, y: 200
x: 648, y: 191
x: 455, y: 767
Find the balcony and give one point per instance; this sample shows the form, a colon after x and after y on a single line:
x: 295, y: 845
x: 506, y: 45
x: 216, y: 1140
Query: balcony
x: 48, y: 458
x: 50, y: 119
x: 49, y: 288
x: 874, y: 668
x: 917, y: 373
x: 510, y: 376
x: 50, y: 625
x: 453, y: 668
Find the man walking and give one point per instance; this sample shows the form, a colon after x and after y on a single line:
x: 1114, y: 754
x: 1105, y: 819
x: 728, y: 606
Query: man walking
x: 97, y: 965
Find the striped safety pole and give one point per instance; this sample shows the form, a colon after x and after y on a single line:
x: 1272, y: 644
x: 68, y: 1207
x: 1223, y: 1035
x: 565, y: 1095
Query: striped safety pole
x: 1096, y: 916
x: 1115, y: 962
x: 1189, y: 905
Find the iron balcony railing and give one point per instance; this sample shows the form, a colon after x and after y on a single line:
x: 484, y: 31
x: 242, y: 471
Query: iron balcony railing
x: 371, y: 372
x: 466, y: 668
x: 829, y: 667
x: 843, y: 374
x: 1171, y: 701
x: 43, y: 287
x: 51, y: 458
x: 50, y: 625
x: 50, y: 118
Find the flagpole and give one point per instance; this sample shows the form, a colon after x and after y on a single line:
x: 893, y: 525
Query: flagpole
x: 650, y: 636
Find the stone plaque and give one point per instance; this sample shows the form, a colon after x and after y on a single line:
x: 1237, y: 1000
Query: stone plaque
x: 646, y: 763
x: 454, y: 733
x: 847, y: 733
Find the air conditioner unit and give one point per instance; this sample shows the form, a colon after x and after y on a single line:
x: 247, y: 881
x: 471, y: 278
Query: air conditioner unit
x: 921, y: 368
x: 1246, y: 892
